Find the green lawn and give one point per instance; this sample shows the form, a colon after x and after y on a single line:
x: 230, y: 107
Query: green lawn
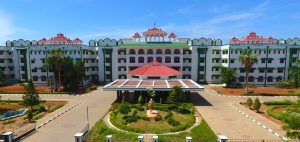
x: 201, y: 133
x: 99, y: 132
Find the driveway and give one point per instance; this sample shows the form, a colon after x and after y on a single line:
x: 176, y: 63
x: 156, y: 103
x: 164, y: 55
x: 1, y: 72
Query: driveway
x: 223, y: 119
x: 64, y: 127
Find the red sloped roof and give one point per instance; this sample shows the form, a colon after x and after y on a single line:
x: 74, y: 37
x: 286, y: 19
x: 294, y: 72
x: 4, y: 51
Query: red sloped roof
x: 172, y: 35
x: 154, y: 69
x: 60, y: 38
x: 154, y: 32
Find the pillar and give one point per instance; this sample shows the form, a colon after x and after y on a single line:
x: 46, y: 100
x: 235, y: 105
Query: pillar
x: 109, y: 138
x: 8, y: 136
x: 155, y: 138
x: 78, y: 137
x: 140, y: 138
x: 188, y: 139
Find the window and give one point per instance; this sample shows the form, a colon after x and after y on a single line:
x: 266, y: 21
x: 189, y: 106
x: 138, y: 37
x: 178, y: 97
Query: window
x: 279, y: 78
x: 168, y: 59
x: 35, y: 78
x: 158, y: 51
x: 34, y: 70
x: 269, y: 60
x: 107, y: 60
x: 242, y: 70
x: 281, y: 60
x: 43, y: 70
x: 294, y: 59
x: 168, y: 51
x: 141, y: 51
x: 201, y: 68
x: 132, y: 59
x: 263, y: 60
x: 150, y: 59
x: 280, y: 70
x: 149, y: 51
x: 201, y: 60
x: 261, y: 70
x: 176, y: 60
x: 201, y: 51
x: 32, y: 61
x: 141, y: 59
x: 159, y: 59
x: 270, y: 79
x: 251, y: 79
x: 44, y: 78
x: 215, y: 60
x: 225, y: 51
x: 241, y: 79
x: 260, y: 79
x: 231, y: 60
x: 176, y: 51
x: 201, y: 77
x: 270, y: 70
x: 131, y: 51
x: 224, y: 60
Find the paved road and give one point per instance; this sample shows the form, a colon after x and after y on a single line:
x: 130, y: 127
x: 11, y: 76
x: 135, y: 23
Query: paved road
x: 64, y: 127
x: 223, y: 119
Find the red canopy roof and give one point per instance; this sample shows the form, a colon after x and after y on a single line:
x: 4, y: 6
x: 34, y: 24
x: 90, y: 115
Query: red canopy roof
x: 154, y: 32
x: 136, y: 35
x: 172, y: 35
x: 154, y: 69
x: 60, y: 38
x: 252, y: 37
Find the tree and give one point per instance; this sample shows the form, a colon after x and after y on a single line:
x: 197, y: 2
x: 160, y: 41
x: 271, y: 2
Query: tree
x: 124, y: 109
x: 228, y: 76
x: 56, y: 60
x: 2, y: 76
x: 294, y: 74
x: 175, y: 96
x: 249, y: 102
x: 256, y: 104
x: 151, y: 93
x: 140, y: 99
x: 31, y: 97
x: 29, y: 115
x: 248, y: 60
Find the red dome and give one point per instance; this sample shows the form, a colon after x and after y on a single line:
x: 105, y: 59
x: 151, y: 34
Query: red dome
x: 60, y: 39
x: 172, y: 35
x: 154, y: 69
x: 154, y: 32
x: 136, y: 35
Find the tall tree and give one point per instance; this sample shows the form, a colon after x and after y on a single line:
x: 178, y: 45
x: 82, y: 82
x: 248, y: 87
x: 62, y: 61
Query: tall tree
x: 31, y: 97
x: 228, y: 76
x: 175, y: 96
x: 294, y: 74
x: 56, y: 58
x: 248, y: 60
x: 2, y: 76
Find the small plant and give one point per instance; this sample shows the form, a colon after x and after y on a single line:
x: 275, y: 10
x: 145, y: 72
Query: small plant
x: 124, y: 109
x: 249, y: 102
x: 173, y: 122
x: 140, y: 100
x: 256, y: 104
x: 29, y: 115
x: 158, y: 118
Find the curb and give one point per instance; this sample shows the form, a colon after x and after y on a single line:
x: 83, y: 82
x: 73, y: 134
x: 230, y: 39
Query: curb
x: 58, y: 115
x: 260, y: 124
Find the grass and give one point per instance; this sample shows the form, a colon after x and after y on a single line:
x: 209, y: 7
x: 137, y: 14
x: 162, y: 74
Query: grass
x: 99, y: 132
x: 201, y: 133
x: 185, y: 118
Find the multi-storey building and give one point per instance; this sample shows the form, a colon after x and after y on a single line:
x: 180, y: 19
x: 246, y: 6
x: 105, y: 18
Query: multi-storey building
x: 198, y: 59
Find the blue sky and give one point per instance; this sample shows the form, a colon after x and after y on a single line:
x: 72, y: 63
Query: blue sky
x: 97, y: 19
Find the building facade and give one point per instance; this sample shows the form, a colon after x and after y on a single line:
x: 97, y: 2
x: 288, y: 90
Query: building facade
x: 109, y: 59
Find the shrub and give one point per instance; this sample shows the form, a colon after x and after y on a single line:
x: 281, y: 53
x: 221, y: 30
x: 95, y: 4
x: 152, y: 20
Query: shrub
x: 124, y: 109
x: 129, y: 119
x: 285, y: 102
x: 29, y: 115
x: 173, y: 122
x: 158, y: 118
x: 256, y: 104
x: 291, y: 92
x: 249, y: 102
x: 169, y: 115
x: 8, y: 122
x: 134, y: 113
x: 282, y: 84
x: 139, y: 107
x: 145, y: 118
x: 140, y: 100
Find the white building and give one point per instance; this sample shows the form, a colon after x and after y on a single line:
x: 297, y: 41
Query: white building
x: 109, y: 59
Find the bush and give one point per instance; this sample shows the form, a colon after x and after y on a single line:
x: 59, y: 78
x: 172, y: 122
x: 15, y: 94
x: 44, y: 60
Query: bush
x: 129, y: 119
x: 249, y: 102
x: 256, y: 104
x: 285, y: 102
x: 134, y: 113
x: 283, y: 84
x: 173, y: 122
x: 158, y: 118
x: 169, y: 115
x: 139, y: 107
x: 8, y: 122
x: 124, y: 109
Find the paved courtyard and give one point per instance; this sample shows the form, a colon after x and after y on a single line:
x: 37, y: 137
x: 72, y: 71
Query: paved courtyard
x: 216, y: 110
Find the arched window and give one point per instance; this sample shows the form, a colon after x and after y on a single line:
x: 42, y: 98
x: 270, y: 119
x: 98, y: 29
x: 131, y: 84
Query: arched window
x: 260, y: 79
x: 168, y: 51
x: 150, y: 59
x: 159, y: 59
x: 270, y: 79
x: 251, y: 79
x: 176, y: 60
x: 132, y: 60
x: 131, y: 51
x: 149, y: 51
x: 176, y: 51
x: 241, y: 79
x: 158, y: 51
x: 167, y: 59
x: 141, y: 59
x: 44, y: 78
x: 141, y: 51
x: 35, y: 78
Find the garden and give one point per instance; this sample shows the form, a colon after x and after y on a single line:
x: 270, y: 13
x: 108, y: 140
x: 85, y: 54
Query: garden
x: 126, y: 120
x: 285, y: 113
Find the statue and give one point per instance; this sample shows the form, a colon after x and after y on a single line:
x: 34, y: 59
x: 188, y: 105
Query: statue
x: 151, y: 105
x: 151, y: 113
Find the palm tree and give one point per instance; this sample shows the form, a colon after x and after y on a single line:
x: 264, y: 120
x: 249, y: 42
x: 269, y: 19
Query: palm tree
x: 248, y: 60
x: 57, y: 57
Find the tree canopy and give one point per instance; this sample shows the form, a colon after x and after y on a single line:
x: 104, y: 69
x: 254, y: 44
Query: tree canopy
x: 175, y: 96
x: 2, y: 76
x: 228, y: 76
x: 31, y: 97
x: 248, y: 60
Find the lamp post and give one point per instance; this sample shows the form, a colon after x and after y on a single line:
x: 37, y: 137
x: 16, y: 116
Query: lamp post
x: 87, y: 117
